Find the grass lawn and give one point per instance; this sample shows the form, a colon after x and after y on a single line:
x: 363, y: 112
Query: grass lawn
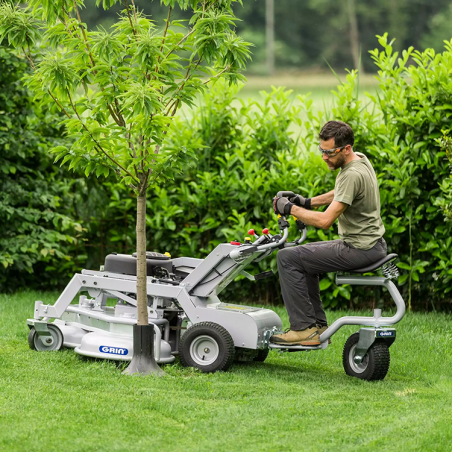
x: 293, y: 402
x: 318, y: 86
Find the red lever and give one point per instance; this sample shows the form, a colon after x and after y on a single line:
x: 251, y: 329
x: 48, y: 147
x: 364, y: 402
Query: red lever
x: 265, y: 231
x: 251, y: 232
x: 235, y: 243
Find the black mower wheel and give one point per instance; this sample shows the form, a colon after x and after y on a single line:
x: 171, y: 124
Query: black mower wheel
x: 375, y: 364
x: 207, y: 346
x: 262, y: 354
x: 51, y: 343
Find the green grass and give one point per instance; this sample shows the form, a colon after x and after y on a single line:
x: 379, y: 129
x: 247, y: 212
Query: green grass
x: 293, y: 402
x: 318, y: 86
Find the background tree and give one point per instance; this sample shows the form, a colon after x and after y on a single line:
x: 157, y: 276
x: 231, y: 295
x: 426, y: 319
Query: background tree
x: 120, y: 89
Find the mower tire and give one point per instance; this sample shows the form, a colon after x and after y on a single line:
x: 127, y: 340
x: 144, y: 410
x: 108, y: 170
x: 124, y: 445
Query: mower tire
x: 51, y: 343
x: 262, y: 354
x: 375, y: 364
x: 207, y: 346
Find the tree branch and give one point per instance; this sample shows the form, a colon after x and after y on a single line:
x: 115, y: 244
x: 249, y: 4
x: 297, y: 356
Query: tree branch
x: 179, y: 43
x: 95, y: 141
x: 84, y: 34
x: 191, y: 32
x: 186, y: 78
x: 164, y: 37
x: 59, y: 105
x: 217, y: 75
x: 134, y: 11
x: 130, y: 19
x: 121, y: 121
x: 28, y: 57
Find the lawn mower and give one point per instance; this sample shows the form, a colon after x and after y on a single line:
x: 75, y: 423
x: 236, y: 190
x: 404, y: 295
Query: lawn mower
x: 190, y: 320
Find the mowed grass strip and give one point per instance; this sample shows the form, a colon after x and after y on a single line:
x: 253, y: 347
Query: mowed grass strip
x: 294, y: 401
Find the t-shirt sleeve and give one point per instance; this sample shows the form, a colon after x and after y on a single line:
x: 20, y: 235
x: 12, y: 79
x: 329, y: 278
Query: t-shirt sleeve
x: 347, y: 187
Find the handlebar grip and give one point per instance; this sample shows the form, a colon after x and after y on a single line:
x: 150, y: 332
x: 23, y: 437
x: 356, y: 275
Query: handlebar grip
x: 285, y: 194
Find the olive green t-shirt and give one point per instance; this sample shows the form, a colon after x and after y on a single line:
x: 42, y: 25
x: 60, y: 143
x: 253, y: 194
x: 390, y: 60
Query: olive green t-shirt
x: 360, y: 224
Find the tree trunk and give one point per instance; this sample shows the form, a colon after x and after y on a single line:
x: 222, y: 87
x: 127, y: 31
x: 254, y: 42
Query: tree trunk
x: 142, y: 314
x: 270, y: 35
x: 143, y: 361
x: 354, y: 34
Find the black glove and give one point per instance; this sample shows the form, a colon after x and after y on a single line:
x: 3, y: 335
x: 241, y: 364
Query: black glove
x: 298, y: 200
x: 282, y: 206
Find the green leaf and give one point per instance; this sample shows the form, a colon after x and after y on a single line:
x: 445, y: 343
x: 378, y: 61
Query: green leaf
x: 325, y: 283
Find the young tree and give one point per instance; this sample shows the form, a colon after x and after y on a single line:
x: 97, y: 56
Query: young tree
x: 120, y: 88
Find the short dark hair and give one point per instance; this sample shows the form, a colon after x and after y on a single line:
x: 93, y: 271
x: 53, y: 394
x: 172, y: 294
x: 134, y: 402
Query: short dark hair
x: 340, y: 131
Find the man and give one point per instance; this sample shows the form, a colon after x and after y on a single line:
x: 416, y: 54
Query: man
x: 355, y: 202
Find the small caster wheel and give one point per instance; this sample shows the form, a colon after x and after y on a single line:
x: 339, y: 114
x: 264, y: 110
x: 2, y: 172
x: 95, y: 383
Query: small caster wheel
x: 51, y: 343
x: 262, y: 354
x: 375, y: 364
x: 207, y: 346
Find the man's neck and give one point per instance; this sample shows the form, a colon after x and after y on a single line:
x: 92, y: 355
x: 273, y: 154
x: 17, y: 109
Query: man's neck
x: 350, y: 157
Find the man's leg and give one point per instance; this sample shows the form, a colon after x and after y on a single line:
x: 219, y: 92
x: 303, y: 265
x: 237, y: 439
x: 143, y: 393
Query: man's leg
x: 314, y: 297
x: 294, y: 289
x: 299, y: 269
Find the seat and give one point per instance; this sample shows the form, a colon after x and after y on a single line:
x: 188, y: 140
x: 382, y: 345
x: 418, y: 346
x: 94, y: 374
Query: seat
x: 375, y: 265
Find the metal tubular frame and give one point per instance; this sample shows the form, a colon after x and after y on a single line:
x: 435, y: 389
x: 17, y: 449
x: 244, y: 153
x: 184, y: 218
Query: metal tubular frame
x: 377, y: 320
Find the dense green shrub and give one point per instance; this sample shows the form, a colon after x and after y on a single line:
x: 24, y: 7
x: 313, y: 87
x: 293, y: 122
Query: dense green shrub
x: 416, y: 101
x: 248, y: 153
x: 250, y: 150
x: 36, y: 210
x: 405, y: 131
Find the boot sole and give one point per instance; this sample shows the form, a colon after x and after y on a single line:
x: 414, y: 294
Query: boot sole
x: 310, y: 343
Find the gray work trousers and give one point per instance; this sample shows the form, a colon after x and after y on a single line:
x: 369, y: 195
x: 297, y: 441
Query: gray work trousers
x: 299, y: 268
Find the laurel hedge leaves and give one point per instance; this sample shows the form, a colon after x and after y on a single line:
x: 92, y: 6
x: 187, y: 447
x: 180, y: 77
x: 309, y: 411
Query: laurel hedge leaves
x: 249, y: 150
x: 37, y: 226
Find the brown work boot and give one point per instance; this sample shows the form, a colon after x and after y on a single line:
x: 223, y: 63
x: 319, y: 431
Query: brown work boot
x: 322, y: 329
x: 308, y: 336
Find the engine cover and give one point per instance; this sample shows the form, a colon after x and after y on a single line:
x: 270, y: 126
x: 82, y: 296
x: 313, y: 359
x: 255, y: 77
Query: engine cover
x: 126, y: 264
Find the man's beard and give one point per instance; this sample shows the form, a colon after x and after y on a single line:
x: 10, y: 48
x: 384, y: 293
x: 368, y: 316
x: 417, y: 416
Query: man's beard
x: 339, y: 163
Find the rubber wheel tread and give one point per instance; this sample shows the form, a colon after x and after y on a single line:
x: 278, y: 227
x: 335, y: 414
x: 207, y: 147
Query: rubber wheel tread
x: 378, y: 360
x: 33, y: 337
x: 221, y: 336
x: 262, y: 355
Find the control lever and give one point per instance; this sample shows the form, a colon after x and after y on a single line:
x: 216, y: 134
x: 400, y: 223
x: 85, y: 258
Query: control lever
x: 252, y: 232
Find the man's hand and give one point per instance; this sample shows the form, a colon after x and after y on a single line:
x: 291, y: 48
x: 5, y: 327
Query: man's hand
x: 298, y: 200
x: 282, y: 206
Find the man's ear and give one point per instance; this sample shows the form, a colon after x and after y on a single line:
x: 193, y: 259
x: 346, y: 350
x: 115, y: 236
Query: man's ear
x: 348, y: 149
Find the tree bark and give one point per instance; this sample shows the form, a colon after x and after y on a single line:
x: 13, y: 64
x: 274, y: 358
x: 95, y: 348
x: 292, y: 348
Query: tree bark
x: 270, y: 35
x: 354, y: 34
x: 142, y: 311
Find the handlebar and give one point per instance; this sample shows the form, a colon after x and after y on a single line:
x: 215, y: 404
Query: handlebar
x: 239, y: 253
x: 285, y: 194
x: 243, y: 251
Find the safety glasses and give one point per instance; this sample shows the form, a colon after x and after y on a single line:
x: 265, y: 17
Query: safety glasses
x: 332, y: 152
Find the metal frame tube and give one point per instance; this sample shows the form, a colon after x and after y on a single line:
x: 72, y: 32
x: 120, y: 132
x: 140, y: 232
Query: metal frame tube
x: 375, y: 321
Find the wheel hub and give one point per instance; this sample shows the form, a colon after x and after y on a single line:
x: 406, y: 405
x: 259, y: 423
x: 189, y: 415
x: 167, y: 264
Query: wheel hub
x: 47, y: 340
x: 204, y: 350
x: 357, y: 367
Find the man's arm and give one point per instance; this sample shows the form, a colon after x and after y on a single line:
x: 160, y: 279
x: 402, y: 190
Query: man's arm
x: 322, y: 200
x: 323, y: 220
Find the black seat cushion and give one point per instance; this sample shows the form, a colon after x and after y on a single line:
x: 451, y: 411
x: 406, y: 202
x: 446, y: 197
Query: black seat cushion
x: 375, y: 265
